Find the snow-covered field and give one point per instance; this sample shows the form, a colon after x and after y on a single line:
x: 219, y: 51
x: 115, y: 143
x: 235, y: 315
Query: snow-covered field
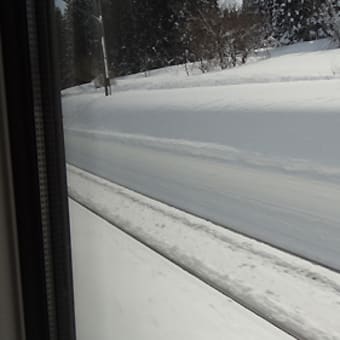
x: 315, y: 60
x: 115, y: 279
x: 125, y: 291
x: 255, y: 148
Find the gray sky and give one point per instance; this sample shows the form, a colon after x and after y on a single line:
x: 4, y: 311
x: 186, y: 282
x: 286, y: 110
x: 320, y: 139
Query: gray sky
x: 60, y: 4
x: 229, y: 2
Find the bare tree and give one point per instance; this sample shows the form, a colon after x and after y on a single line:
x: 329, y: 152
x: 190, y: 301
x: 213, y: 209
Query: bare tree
x: 227, y: 35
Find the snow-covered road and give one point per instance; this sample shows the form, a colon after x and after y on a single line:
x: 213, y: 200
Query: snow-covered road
x: 297, y: 214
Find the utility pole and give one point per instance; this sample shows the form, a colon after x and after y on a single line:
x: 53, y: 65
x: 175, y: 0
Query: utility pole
x: 107, y: 83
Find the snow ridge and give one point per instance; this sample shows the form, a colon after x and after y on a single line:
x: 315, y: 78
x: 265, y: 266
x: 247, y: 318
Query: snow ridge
x: 219, y: 152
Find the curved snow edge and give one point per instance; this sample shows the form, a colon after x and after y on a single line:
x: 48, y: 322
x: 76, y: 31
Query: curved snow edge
x: 219, y: 152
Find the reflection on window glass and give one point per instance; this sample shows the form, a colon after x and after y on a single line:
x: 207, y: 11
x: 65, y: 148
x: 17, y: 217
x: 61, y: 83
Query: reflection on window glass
x: 203, y: 135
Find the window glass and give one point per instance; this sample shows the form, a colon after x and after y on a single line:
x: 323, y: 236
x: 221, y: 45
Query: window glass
x: 203, y: 135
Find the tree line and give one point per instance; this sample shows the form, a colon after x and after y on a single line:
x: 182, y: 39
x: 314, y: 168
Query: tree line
x: 289, y: 21
x: 145, y: 34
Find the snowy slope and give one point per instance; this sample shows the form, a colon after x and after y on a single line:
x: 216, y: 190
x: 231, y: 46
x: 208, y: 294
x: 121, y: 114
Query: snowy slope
x: 125, y: 291
x: 315, y: 60
x: 296, y: 295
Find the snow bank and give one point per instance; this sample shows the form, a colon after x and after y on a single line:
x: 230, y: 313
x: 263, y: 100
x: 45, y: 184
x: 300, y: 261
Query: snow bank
x: 299, y: 296
x: 123, y: 290
x: 217, y: 152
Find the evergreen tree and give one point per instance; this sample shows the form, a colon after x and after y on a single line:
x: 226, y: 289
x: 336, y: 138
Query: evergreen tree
x: 152, y: 37
x: 198, y: 22
x: 327, y: 20
x: 259, y: 7
x: 120, y: 27
x: 290, y: 21
x: 141, y: 34
x: 83, y: 43
x: 263, y: 11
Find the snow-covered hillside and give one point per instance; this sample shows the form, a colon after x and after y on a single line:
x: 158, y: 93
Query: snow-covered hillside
x: 314, y: 60
x: 255, y: 147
